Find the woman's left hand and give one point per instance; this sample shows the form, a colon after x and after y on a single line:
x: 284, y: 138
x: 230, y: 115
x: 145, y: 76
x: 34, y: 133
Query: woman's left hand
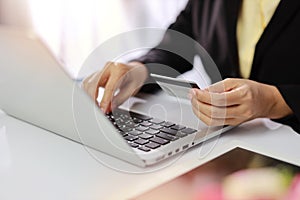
x: 234, y: 101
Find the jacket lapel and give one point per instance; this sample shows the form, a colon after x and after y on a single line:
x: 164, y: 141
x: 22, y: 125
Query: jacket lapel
x: 282, y: 16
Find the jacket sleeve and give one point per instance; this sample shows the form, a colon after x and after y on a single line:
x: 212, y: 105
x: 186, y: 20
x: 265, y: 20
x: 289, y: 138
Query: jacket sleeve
x: 291, y: 94
x: 173, y: 56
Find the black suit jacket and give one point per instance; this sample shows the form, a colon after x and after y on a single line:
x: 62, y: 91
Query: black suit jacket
x: 213, y: 24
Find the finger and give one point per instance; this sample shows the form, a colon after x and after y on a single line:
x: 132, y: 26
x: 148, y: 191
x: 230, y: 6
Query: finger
x: 122, y: 96
x: 220, y: 111
x: 102, y: 79
x: 196, y: 105
x: 209, y: 110
x: 112, y: 85
x: 93, y: 82
x: 110, y: 88
x: 216, y: 99
x: 215, y: 122
x: 207, y: 97
x: 229, y: 115
x: 87, y: 86
x: 100, y: 82
x: 128, y: 88
x: 208, y: 120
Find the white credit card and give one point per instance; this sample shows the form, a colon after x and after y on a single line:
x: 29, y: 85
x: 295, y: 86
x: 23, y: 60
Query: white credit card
x: 174, y: 86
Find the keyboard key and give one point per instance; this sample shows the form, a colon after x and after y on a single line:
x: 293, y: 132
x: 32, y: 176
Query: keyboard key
x: 146, y: 123
x: 131, y: 125
x: 123, y: 133
x: 140, y: 116
x: 156, y: 121
x: 141, y: 141
x: 146, y: 133
x: 188, y: 130
x: 136, y: 120
x: 131, y: 138
x: 120, y: 124
x: 146, y: 149
x: 134, y: 145
x: 167, y: 124
x: 169, y: 131
x: 152, y: 145
x: 125, y: 129
x: 159, y: 140
x: 156, y: 126
x: 146, y: 136
x: 178, y: 127
x: 124, y: 116
x: 152, y: 132
x: 142, y: 128
x: 181, y: 134
x: 167, y: 136
x: 135, y: 133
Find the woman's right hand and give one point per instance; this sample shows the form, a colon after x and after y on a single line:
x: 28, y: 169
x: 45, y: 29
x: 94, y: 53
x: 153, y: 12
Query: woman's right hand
x: 127, y: 78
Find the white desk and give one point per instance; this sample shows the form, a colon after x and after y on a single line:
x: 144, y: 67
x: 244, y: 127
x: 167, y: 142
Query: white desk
x: 36, y: 164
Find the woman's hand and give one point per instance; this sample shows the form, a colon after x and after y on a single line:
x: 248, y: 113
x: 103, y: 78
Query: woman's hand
x: 124, y: 78
x: 234, y: 101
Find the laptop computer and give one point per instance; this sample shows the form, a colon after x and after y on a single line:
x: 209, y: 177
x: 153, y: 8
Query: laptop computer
x: 35, y: 88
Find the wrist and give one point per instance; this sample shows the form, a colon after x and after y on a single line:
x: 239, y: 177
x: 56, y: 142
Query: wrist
x: 279, y: 107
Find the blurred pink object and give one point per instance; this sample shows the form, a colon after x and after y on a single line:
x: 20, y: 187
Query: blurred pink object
x: 212, y: 191
x: 294, y: 191
x: 255, y: 184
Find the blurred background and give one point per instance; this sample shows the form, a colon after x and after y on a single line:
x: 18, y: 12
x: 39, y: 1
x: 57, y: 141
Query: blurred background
x: 73, y: 29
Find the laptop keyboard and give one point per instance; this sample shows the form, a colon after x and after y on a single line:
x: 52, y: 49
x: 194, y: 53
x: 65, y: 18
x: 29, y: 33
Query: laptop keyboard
x: 144, y: 132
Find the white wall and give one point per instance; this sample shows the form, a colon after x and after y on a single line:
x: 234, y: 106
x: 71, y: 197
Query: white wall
x: 73, y: 28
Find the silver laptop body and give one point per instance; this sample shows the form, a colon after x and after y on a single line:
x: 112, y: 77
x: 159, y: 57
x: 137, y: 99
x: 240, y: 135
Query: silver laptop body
x: 34, y: 88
